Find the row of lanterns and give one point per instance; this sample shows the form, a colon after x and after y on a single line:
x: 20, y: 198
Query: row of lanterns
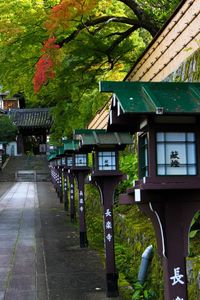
x: 71, y: 160
x: 165, y: 117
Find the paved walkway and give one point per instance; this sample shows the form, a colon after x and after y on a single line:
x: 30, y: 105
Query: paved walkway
x: 40, y: 257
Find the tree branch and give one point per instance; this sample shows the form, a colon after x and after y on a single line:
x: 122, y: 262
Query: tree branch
x: 103, y: 21
x: 108, y: 19
x: 123, y: 36
x: 145, y: 20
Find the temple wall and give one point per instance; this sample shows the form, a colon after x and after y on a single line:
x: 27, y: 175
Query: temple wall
x: 188, y: 71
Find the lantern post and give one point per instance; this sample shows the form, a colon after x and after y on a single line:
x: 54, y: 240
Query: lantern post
x: 70, y: 146
x: 166, y: 118
x: 1, y: 155
x: 106, y: 176
x: 69, y: 186
x: 53, y: 173
x: 80, y: 171
x: 55, y: 159
x: 51, y: 167
x: 60, y: 172
x: 63, y: 181
x: 52, y: 161
x: 56, y: 166
x: 68, y: 164
x: 71, y: 196
x: 77, y: 167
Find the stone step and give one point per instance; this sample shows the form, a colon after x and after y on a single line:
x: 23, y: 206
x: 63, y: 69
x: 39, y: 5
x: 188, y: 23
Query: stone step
x: 25, y: 175
x: 24, y: 168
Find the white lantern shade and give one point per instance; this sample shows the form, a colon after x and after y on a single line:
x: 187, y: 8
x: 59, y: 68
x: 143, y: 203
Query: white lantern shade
x: 80, y: 160
x: 107, y: 160
x: 69, y: 161
x: 176, y: 153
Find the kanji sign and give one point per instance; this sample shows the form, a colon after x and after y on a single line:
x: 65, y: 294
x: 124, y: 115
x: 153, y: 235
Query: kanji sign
x: 177, y: 278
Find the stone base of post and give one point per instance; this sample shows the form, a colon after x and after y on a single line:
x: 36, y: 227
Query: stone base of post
x: 112, y: 285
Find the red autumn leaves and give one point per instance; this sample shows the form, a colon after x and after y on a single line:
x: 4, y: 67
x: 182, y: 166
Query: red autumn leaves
x: 45, y: 65
x: 59, y: 19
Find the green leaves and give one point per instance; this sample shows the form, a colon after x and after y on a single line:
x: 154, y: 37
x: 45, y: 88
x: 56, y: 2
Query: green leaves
x: 94, y: 40
x: 195, y: 226
x: 8, y: 130
x: 142, y: 292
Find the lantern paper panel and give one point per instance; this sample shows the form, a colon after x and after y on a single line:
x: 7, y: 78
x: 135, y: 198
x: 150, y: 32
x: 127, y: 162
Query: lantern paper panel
x: 69, y: 161
x: 81, y: 160
x: 107, y: 160
x: 176, y: 153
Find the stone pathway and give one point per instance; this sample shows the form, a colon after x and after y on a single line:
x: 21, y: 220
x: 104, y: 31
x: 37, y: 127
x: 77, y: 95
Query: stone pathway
x: 40, y: 257
x: 17, y: 242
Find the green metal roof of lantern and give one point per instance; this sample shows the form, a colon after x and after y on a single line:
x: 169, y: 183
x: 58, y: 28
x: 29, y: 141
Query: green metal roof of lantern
x: 51, y: 157
x: 154, y: 97
x: 90, y: 138
x: 52, y: 154
x: 60, y: 150
x: 70, y: 146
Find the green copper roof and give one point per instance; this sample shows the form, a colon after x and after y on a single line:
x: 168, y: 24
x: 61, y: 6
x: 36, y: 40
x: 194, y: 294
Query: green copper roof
x: 155, y: 97
x: 100, y: 137
x: 60, y: 150
x: 51, y: 157
x: 70, y: 145
x: 52, y: 154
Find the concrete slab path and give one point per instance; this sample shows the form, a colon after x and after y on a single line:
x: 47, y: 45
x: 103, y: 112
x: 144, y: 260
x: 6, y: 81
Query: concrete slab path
x: 40, y: 257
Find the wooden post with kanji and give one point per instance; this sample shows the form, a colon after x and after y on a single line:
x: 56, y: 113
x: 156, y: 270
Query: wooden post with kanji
x: 80, y: 174
x: 72, y: 197
x: 106, y: 175
x: 65, y: 192
x: 107, y: 185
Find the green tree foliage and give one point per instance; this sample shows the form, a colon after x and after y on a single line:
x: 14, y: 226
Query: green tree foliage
x: 70, y: 45
x: 21, y: 37
x: 8, y: 130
